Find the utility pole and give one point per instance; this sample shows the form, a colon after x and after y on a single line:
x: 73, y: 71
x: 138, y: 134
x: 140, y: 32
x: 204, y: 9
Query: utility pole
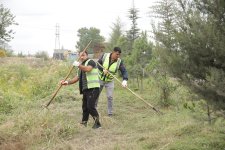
x: 57, y: 40
x: 57, y: 52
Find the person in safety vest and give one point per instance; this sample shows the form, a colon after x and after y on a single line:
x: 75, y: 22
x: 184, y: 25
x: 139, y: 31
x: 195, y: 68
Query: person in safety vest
x: 111, y: 63
x: 89, y: 86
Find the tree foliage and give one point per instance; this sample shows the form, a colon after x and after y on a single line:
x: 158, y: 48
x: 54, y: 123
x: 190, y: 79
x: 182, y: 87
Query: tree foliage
x: 42, y: 54
x: 191, y: 37
x: 2, y: 53
x: 133, y: 33
x: 116, y: 34
x: 140, y: 57
x: 6, y: 20
x: 86, y: 35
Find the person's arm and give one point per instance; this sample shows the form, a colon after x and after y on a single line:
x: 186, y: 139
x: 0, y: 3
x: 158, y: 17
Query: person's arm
x: 85, y: 68
x: 66, y: 82
x: 74, y: 80
x: 123, y: 71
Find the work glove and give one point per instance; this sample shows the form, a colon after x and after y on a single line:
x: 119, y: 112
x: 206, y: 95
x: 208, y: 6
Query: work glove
x: 124, y: 83
x: 76, y: 63
x: 105, y: 71
x: 63, y: 82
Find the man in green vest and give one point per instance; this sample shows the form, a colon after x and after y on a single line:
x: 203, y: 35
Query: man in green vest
x: 111, y: 63
x: 89, y: 86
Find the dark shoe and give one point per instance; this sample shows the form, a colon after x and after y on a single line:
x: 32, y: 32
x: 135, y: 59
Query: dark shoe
x: 97, y: 123
x: 96, y: 126
x: 110, y: 115
x: 84, y: 123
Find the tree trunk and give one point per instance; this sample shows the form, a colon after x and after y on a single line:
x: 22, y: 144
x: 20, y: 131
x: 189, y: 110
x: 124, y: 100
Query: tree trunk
x: 138, y: 82
x: 209, y: 114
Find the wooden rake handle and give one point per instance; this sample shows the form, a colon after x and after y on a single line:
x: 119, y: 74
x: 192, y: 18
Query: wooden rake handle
x: 57, y: 90
x: 156, y: 110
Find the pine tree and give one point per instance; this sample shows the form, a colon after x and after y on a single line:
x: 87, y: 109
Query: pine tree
x: 133, y: 33
x: 193, y: 44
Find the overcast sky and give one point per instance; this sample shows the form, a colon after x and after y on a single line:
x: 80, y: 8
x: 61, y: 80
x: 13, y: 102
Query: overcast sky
x: 37, y: 20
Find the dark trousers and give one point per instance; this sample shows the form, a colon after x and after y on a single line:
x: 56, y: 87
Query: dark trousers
x: 89, y: 99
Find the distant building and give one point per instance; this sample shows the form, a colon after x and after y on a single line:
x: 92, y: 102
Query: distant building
x: 71, y: 56
x: 98, y: 50
x: 65, y: 54
x: 59, y: 54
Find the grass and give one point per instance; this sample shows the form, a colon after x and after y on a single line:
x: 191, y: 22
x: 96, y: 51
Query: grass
x: 24, y: 124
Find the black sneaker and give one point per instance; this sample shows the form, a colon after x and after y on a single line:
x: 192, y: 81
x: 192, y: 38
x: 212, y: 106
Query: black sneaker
x: 96, y: 126
x: 84, y: 123
x: 110, y: 115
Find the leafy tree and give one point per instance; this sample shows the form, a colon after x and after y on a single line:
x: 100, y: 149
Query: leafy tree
x: 124, y: 44
x: 6, y: 20
x: 86, y: 35
x: 142, y: 50
x: 115, y: 35
x: 117, y: 38
x: 140, y: 57
x: 42, y: 54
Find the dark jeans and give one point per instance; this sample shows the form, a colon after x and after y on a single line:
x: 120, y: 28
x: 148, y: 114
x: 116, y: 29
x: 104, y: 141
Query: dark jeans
x: 89, y: 99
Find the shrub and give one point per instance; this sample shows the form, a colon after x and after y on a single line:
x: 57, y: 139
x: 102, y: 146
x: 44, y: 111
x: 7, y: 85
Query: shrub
x: 2, y: 53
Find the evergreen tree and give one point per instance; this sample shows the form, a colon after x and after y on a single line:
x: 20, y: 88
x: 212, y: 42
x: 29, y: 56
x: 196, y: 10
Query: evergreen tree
x: 140, y: 57
x: 133, y: 33
x: 193, y: 44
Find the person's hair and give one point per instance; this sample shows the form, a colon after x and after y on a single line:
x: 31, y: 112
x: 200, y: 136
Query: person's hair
x: 117, y: 49
x: 84, y: 52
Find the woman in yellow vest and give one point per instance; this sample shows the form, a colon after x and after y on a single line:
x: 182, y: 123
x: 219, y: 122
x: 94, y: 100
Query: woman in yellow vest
x: 111, y: 63
x: 89, y: 87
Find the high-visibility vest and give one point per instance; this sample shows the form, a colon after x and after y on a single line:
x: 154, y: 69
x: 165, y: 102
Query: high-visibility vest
x: 92, y: 77
x: 111, y: 68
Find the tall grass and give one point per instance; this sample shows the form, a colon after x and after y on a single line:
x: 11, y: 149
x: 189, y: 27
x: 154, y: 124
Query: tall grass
x: 24, y: 124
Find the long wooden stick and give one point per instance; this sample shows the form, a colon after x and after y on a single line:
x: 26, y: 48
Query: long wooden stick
x: 55, y: 93
x: 133, y: 92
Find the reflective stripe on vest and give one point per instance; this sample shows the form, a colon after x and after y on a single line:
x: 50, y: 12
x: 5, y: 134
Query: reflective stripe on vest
x: 92, y: 77
x: 112, y: 68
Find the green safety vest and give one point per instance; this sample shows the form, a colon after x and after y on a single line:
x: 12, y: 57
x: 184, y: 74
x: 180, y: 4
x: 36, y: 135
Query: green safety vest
x: 111, y: 68
x: 92, y: 77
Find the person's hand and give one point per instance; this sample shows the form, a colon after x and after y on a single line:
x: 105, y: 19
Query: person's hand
x: 124, y: 83
x: 105, y: 71
x: 76, y: 63
x: 63, y: 82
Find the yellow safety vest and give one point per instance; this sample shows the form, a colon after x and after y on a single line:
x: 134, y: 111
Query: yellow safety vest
x: 111, y: 68
x: 92, y: 77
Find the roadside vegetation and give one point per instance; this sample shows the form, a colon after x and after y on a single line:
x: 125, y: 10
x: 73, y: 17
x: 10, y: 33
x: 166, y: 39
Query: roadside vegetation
x: 179, y: 69
x: 25, y: 124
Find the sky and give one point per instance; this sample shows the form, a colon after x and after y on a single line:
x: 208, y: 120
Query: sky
x: 37, y: 21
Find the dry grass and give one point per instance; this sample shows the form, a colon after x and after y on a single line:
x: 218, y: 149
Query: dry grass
x: 134, y: 125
